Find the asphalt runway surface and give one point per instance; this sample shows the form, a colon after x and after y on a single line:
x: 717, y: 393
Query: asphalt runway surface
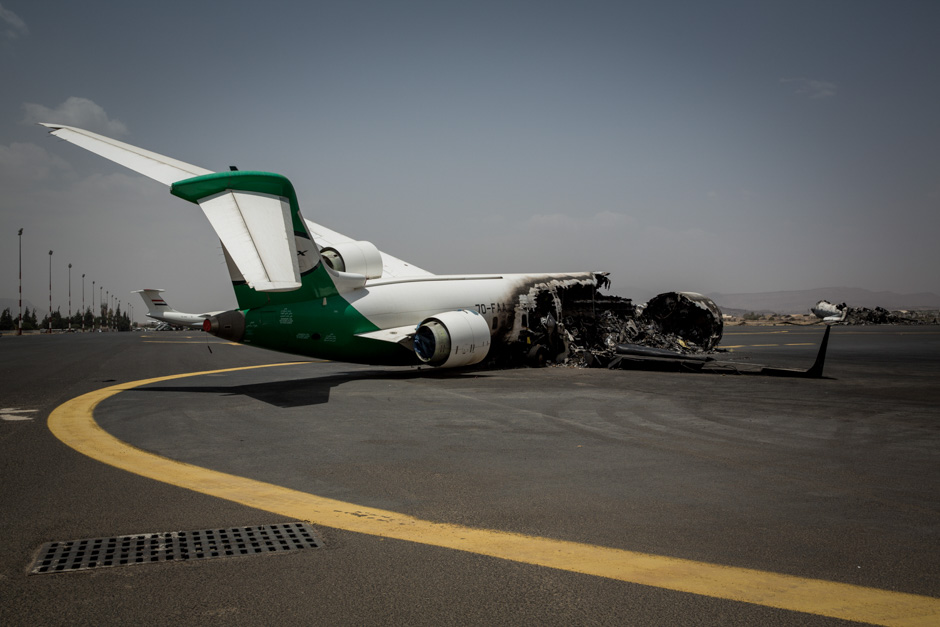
x: 828, y: 480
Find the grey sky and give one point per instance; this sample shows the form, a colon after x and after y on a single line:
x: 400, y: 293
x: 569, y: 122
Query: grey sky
x: 706, y: 146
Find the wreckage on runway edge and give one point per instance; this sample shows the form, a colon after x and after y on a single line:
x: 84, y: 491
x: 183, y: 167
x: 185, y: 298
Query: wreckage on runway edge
x: 304, y: 289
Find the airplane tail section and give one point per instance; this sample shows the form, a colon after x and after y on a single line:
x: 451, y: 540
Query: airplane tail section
x: 268, y: 247
x: 156, y: 305
x: 255, y: 215
x: 271, y: 256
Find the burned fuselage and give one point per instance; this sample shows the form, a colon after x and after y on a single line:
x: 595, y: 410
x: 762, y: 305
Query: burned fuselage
x: 570, y: 319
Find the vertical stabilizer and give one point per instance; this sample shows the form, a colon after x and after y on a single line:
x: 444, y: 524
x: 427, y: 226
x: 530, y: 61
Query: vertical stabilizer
x: 270, y: 254
x: 156, y: 305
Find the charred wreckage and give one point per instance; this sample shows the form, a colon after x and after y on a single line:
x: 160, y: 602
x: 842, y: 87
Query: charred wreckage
x: 843, y: 314
x: 571, y: 323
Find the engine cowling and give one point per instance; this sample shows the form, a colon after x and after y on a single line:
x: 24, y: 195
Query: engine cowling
x: 690, y: 316
x: 452, y: 339
x: 355, y: 257
x: 228, y: 325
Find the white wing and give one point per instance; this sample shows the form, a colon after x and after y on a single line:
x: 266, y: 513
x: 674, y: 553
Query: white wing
x: 157, y: 167
x: 168, y: 171
x: 392, y: 267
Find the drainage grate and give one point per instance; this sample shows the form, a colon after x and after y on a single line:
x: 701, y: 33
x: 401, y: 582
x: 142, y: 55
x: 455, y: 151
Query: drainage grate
x: 74, y: 555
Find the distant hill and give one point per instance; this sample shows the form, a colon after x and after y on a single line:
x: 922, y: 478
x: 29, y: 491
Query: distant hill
x: 801, y: 301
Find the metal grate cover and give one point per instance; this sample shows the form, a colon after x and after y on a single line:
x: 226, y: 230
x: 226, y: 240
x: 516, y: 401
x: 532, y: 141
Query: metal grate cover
x: 75, y: 555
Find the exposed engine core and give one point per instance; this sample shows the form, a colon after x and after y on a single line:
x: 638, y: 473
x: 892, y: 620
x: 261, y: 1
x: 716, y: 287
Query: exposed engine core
x: 355, y: 257
x: 452, y: 339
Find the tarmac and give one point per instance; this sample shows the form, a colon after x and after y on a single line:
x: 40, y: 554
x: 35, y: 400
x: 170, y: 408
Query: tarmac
x: 553, y: 496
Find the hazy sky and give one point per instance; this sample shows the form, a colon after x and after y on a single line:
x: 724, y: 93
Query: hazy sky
x: 706, y: 146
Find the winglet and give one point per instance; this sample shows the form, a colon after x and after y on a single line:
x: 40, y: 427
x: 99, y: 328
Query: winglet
x: 814, y: 372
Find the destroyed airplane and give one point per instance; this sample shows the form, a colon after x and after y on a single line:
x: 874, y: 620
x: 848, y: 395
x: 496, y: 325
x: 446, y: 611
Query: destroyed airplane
x: 827, y: 312
x: 671, y: 333
x: 305, y: 289
x: 575, y: 321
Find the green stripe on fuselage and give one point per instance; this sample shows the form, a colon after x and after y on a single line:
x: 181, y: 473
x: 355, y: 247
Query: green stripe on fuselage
x: 325, y: 329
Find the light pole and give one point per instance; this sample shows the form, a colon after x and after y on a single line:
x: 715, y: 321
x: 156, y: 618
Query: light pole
x: 83, y: 301
x: 19, y: 327
x: 70, y: 297
x: 100, y: 305
x: 107, y: 309
x: 92, y: 305
x: 50, y: 291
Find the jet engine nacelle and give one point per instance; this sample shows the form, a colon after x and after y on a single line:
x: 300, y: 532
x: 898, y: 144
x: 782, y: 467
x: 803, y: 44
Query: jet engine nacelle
x: 355, y: 257
x: 452, y: 339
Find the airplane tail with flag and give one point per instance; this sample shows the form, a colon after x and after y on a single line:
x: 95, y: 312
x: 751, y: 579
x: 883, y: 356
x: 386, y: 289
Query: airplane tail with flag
x: 156, y: 305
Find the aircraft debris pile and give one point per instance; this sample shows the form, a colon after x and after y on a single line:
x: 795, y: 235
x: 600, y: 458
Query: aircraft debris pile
x: 843, y: 314
x: 595, y: 329
x: 878, y: 315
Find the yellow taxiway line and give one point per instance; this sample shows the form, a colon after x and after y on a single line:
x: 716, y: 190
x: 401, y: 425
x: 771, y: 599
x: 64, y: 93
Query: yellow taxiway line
x: 74, y: 424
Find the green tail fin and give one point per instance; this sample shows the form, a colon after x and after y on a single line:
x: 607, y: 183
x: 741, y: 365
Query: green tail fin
x: 316, y: 281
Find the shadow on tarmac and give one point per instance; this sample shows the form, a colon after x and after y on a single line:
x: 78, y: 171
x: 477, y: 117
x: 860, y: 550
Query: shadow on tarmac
x: 304, y: 392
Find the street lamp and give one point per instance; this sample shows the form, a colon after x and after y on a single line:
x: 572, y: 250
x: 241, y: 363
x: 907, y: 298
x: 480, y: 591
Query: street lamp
x: 100, y: 304
x: 83, y: 301
x: 70, y: 297
x: 19, y: 327
x: 50, y: 291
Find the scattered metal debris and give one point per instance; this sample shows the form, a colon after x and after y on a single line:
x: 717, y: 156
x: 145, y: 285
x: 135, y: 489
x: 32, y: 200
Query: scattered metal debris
x: 674, y: 325
x: 694, y: 320
x: 709, y: 365
x: 829, y: 312
x: 843, y: 314
x: 573, y: 323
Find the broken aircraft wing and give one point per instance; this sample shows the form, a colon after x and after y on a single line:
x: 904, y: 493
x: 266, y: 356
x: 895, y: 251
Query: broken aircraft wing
x: 631, y: 357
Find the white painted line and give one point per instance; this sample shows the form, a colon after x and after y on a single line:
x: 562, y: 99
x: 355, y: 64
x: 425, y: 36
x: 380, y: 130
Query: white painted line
x: 11, y: 413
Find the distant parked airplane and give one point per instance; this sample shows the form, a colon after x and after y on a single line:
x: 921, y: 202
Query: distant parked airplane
x: 159, y: 309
